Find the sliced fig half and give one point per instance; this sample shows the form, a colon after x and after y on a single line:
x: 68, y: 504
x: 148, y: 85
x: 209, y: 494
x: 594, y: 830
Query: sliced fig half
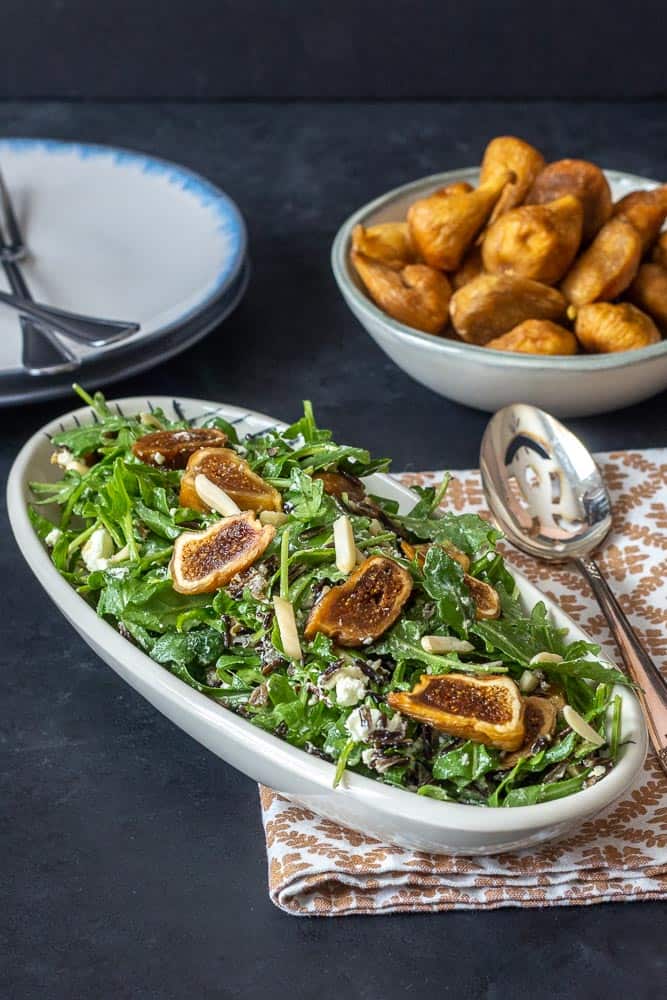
x: 489, y: 710
x: 358, y: 611
x: 172, y: 449
x: 539, y: 721
x: 485, y: 597
x: 419, y: 551
x: 204, y: 561
x: 231, y: 473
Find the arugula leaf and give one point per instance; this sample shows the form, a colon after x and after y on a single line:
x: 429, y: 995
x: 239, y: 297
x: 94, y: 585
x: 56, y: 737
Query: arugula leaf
x: 466, y: 764
x: 443, y: 581
x: 547, y: 792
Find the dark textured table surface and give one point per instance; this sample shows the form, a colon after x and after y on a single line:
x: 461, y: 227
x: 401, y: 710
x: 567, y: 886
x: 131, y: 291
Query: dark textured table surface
x: 133, y: 860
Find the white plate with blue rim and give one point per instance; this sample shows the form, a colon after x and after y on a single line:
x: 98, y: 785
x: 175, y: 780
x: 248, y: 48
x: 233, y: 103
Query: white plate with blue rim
x: 119, y: 234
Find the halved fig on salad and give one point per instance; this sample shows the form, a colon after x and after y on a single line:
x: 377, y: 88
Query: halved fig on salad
x: 339, y: 484
x: 231, y: 473
x: 419, y: 551
x: 489, y: 709
x: 357, y: 612
x: 172, y: 449
x: 539, y: 721
x: 204, y: 561
x: 484, y: 596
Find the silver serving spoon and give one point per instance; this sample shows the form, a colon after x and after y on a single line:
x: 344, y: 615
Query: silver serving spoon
x: 548, y: 496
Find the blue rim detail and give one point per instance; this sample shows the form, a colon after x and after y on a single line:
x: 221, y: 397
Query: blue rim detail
x: 230, y: 222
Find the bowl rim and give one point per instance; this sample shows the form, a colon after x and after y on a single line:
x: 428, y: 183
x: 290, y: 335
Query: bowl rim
x: 340, y: 265
x: 151, y: 675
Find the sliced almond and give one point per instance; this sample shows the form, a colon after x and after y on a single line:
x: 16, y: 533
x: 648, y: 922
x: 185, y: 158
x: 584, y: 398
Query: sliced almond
x: 215, y: 498
x: 546, y: 657
x: 150, y: 420
x: 287, y: 627
x: 528, y: 681
x: 275, y: 517
x: 581, y: 727
x: 346, y: 552
x: 445, y: 644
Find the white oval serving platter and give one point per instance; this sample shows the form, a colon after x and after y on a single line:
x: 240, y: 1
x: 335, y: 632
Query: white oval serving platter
x: 390, y: 814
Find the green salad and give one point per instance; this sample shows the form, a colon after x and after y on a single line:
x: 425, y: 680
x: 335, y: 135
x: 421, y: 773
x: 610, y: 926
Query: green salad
x: 324, y: 687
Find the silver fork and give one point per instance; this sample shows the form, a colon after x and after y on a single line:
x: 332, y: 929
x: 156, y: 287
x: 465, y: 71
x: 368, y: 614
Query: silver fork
x: 43, y: 352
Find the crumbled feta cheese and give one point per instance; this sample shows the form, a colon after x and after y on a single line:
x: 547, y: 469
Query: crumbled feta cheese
x: 158, y: 458
x: 350, y: 691
x: 53, y: 536
x: 597, y: 771
x: 357, y: 723
x: 97, y: 550
x: 367, y: 757
x: 350, y: 683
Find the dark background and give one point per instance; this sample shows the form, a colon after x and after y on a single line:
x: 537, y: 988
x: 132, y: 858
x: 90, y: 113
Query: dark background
x: 132, y: 861
x: 273, y: 49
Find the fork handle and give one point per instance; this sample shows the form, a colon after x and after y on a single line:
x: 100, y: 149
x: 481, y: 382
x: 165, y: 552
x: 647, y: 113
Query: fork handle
x: 643, y: 671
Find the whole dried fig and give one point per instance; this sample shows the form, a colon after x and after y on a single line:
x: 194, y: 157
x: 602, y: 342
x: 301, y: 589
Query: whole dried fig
x: 606, y: 267
x: 646, y: 210
x: 602, y: 327
x: 582, y: 179
x: 536, y: 336
x: 417, y: 295
x: 506, y: 152
x: 492, y: 304
x: 444, y: 225
x: 535, y: 241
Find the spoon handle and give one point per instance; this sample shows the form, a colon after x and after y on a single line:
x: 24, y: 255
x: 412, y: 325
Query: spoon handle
x: 640, y: 666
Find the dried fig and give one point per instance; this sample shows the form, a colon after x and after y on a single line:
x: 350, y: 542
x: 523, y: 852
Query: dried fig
x: 366, y: 605
x: 419, y: 551
x: 489, y: 709
x: 606, y: 267
x: 539, y: 721
x: 338, y: 484
x: 204, y: 561
x: 602, y: 328
x: 172, y: 449
x: 536, y: 336
x: 649, y: 292
x: 659, y: 253
x: 456, y: 187
x: 484, y: 597
x: 231, y: 473
x: 506, y: 152
x: 417, y: 295
x: 471, y: 266
x: 535, y: 241
x: 388, y: 242
x: 492, y: 304
x: 582, y: 179
x: 646, y: 211
x: 444, y: 225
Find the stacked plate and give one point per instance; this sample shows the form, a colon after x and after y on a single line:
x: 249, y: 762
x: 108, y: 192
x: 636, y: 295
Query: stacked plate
x: 120, y: 235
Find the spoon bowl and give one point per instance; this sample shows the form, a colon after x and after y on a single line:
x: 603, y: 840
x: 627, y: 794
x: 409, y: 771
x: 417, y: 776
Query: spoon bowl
x: 542, y: 484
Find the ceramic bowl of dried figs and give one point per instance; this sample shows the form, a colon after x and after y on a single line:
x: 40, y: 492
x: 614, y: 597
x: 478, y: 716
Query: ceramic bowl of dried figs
x: 516, y: 280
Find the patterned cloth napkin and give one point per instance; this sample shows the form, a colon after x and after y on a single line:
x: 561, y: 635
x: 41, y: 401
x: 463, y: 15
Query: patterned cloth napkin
x: 317, y: 868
